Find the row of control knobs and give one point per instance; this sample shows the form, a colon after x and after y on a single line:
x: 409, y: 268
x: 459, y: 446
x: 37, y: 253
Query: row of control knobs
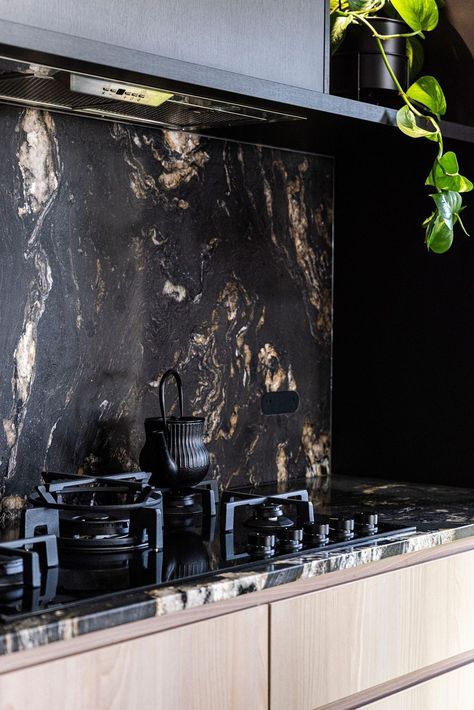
x: 342, y: 528
x: 320, y: 532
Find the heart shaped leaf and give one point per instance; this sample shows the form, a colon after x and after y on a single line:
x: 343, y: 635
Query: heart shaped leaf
x: 416, y: 56
x: 414, y: 126
x: 420, y: 15
x: 439, y: 236
x: 339, y: 25
x: 440, y: 224
x: 449, y: 205
x: 445, y: 174
x: 428, y: 92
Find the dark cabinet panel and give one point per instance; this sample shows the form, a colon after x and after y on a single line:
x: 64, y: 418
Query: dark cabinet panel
x: 276, y: 40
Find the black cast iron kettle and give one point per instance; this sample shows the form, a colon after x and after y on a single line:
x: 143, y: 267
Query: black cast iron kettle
x: 174, y: 449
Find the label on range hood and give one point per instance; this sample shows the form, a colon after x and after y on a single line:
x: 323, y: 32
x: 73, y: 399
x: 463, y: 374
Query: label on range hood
x: 117, y: 91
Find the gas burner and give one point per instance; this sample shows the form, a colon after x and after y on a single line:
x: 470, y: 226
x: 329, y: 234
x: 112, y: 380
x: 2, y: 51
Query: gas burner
x: 28, y: 573
x: 270, y: 522
x: 188, y: 502
x: 261, y: 544
x: 366, y: 523
x: 290, y: 539
x: 317, y: 532
x: 115, y: 513
x: 268, y: 516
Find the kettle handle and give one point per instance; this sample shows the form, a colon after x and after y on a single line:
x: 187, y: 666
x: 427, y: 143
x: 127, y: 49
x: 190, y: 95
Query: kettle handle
x: 168, y: 374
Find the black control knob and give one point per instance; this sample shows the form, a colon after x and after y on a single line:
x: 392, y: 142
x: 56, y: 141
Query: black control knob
x: 316, y: 533
x: 343, y: 527
x: 261, y: 544
x: 366, y: 523
x: 290, y: 539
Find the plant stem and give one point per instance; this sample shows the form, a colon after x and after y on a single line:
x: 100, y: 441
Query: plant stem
x: 379, y: 39
x: 403, y: 34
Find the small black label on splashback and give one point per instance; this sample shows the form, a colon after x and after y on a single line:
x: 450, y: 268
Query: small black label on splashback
x: 285, y: 402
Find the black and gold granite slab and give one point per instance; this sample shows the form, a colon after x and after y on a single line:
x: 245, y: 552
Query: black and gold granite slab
x: 125, y: 251
x: 430, y: 504
x: 424, y: 505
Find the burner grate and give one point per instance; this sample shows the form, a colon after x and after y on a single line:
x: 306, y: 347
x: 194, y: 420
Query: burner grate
x: 98, y: 514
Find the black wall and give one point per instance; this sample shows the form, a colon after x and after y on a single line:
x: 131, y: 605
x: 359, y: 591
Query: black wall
x: 403, y: 357
x: 404, y: 321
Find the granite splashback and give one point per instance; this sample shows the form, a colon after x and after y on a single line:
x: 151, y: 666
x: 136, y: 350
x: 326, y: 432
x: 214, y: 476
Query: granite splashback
x: 125, y: 251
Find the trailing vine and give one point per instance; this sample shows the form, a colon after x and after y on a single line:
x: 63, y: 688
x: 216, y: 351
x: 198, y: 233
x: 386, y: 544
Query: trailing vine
x: 424, y: 104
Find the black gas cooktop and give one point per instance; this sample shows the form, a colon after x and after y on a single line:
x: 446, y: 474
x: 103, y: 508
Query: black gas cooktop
x: 83, y: 538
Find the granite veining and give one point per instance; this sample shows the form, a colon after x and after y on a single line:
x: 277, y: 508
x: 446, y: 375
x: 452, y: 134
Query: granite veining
x: 127, y: 250
x: 124, y: 607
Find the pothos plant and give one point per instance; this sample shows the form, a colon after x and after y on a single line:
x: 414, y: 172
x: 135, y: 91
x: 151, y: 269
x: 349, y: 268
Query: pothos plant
x: 424, y: 103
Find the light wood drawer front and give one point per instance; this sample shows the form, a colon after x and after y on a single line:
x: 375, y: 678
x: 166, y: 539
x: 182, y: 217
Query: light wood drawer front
x: 219, y: 664
x: 330, y: 644
x: 449, y: 691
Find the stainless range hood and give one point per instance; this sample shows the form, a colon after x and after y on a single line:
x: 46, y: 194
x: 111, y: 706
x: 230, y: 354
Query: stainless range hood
x: 29, y: 83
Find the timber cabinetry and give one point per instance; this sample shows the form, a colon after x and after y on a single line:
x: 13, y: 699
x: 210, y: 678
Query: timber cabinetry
x: 337, y: 642
x: 217, y: 664
x: 397, y: 634
x: 449, y: 691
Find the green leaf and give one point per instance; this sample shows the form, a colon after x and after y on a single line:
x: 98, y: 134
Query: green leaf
x: 413, y: 125
x: 361, y: 5
x: 353, y: 5
x: 339, y: 25
x: 448, y: 205
x: 428, y: 92
x: 440, y: 224
x: 439, y: 236
x: 420, y: 15
x: 445, y: 174
x: 416, y: 56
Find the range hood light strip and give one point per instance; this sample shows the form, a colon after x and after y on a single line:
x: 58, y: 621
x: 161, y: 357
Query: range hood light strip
x: 97, y: 111
x: 219, y: 109
x: 34, y: 102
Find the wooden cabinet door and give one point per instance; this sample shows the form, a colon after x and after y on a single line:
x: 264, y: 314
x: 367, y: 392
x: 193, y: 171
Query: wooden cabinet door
x: 332, y: 643
x: 449, y: 691
x: 218, y: 664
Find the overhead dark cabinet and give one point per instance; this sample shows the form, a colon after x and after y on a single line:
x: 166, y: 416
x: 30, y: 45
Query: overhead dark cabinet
x: 274, y: 40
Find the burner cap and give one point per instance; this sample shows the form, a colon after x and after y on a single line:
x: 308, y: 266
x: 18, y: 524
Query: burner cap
x: 93, y: 517
x: 177, y: 503
x: 268, y: 516
x: 93, y: 525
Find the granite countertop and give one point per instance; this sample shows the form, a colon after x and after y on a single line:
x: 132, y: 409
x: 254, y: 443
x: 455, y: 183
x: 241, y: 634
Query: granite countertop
x: 442, y: 515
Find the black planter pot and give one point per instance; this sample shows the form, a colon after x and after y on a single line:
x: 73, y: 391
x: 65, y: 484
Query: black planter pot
x: 358, y: 70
